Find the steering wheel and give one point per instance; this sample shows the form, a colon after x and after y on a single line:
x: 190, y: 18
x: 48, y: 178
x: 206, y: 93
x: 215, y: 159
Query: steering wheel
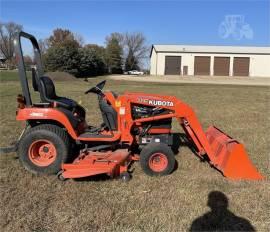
x: 97, y: 89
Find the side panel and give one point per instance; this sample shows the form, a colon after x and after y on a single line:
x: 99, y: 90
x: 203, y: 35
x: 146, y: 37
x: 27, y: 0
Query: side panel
x: 125, y: 111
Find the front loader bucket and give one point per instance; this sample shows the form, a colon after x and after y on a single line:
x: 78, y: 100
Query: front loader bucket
x: 230, y: 156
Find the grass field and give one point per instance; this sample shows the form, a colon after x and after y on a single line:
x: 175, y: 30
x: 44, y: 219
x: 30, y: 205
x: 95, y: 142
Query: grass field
x: 170, y: 203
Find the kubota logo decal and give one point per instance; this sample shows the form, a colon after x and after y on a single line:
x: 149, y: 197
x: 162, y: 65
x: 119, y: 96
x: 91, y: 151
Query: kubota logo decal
x: 155, y: 102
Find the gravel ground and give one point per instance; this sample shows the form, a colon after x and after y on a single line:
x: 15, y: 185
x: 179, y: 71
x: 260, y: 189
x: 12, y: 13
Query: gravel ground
x: 256, y: 81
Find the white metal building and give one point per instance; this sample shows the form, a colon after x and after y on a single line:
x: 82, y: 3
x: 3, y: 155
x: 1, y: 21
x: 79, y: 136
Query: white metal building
x: 210, y: 60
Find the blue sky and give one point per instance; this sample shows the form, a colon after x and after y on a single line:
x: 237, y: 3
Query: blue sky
x: 162, y: 22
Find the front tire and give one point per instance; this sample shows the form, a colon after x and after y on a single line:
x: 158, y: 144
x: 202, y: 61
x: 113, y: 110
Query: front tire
x: 43, y: 149
x: 157, y: 159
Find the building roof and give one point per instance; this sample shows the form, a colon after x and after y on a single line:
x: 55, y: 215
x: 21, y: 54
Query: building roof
x: 211, y: 49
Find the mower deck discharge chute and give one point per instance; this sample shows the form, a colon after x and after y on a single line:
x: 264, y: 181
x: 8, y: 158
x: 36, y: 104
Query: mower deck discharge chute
x: 136, y: 127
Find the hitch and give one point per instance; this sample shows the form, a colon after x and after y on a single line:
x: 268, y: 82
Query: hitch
x: 11, y: 148
x: 14, y: 145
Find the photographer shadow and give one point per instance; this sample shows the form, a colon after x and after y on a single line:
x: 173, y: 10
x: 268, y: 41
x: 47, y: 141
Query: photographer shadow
x: 220, y: 218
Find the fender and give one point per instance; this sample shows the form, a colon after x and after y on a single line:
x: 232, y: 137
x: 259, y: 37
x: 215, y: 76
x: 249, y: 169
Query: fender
x: 46, y: 114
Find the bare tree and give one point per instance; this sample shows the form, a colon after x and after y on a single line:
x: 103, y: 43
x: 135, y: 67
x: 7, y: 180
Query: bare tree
x: 135, y: 50
x: 79, y: 38
x: 116, y: 36
x: 63, y: 36
x: 43, y: 45
x: 7, y: 35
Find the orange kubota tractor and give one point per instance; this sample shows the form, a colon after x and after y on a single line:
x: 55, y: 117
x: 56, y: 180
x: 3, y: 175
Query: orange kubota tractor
x: 56, y: 129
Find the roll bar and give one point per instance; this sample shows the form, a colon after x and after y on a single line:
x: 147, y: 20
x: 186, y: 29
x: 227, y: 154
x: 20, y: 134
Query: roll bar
x: 21, y: 64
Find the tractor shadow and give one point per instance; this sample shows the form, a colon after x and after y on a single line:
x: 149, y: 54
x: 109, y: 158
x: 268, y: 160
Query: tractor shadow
x: 181, y: 140
x: 220, y: 218
x: 95, y: 178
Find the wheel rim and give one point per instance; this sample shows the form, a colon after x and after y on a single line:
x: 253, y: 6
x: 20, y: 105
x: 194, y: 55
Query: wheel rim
x: 42, y: 153
x: 158, y: 162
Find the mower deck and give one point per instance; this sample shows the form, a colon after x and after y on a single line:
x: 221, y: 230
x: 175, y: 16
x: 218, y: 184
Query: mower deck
x: 112, y: 163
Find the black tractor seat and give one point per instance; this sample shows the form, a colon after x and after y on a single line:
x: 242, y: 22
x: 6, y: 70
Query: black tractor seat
x: 48, y: 95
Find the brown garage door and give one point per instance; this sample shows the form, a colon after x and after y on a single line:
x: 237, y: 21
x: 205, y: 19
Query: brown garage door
x: 221, y: 66
x: 172, y: 65
x: 202, y: 65
x: 241, y: 66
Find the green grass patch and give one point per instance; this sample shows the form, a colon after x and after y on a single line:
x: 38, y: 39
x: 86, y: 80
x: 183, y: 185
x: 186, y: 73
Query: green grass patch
x: 9, y: 76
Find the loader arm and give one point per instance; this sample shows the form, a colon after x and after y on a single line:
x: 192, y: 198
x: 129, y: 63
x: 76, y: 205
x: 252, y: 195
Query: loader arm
x: 192, y: 127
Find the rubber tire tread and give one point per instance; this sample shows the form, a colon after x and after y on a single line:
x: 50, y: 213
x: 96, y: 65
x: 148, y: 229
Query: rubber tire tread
x: 53, y: 133
x: 152, y: 148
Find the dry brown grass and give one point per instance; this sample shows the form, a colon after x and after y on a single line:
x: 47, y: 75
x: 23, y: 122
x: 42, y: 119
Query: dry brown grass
x: 170, y: 203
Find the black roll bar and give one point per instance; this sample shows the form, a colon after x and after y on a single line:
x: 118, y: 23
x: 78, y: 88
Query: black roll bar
x: 21, y: 65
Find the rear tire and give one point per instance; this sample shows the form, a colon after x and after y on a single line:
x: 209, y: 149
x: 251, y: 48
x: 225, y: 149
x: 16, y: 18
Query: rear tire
x: 43, y: 149
x: 157, y: 159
